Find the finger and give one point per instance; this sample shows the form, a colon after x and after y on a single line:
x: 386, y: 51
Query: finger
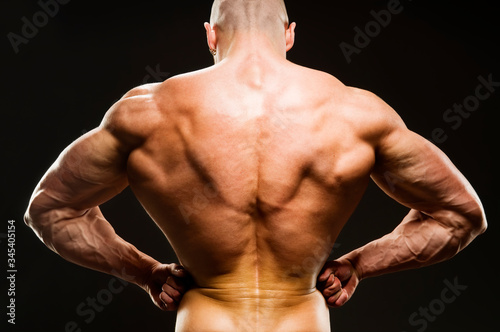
x: 333, y: 293
x: 168, y: 302
x: 342, y: 299
x: 347, y: 292
x: 325, y: 283
x: 171, y: 292
x: 325, y: 274
x: 333, y: 288
x: 180, y: 284
x: 160, y: 304
x: 332, y: 300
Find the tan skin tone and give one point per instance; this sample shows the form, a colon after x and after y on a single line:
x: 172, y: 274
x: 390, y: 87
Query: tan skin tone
x: 251, y: 168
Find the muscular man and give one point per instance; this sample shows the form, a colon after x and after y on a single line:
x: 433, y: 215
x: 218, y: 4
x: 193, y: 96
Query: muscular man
x: 251, y: 168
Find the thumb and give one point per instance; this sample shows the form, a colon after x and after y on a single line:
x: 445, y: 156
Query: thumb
x: 177, y: 270
x: 348, y: 290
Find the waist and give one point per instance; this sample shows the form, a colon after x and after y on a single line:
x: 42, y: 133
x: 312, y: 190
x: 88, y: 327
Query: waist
x: 253, y: 309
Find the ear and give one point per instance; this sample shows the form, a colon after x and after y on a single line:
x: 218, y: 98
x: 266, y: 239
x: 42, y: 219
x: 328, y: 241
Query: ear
x: 290, y: 36
x: 211, y: 37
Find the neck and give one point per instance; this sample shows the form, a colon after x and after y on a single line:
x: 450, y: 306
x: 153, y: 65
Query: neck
x: 245, y: 44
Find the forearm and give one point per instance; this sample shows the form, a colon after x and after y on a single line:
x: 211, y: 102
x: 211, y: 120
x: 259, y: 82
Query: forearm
x: 90, y: 241
x: 418, y: 241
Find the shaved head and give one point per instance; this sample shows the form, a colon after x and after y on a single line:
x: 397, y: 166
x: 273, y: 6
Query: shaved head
x: 249, y: 15
x: 249, y: 25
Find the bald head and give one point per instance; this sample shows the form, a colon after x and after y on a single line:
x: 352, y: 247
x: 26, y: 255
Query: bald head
x: 268, y: 16
x: 250, y: 26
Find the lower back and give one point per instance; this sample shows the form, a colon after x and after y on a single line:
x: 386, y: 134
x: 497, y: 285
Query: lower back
x: 248, y: 310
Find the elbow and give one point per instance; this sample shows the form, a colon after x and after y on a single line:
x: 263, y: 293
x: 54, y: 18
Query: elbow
x: 27, y: 218
x: 478, y: 222
x: 30, y: 216
x: 47, y: 222
x: 32, y: 219
x: 477, y: 218
x: 465, y: 226
x: 474, y: 222
x: 39, y: 219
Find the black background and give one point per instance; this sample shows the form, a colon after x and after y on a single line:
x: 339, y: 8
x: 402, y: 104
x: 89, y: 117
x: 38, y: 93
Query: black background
x: 60, y: 84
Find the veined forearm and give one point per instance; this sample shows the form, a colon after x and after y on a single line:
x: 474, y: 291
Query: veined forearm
x: 90, y: 241
x: 418, y: 241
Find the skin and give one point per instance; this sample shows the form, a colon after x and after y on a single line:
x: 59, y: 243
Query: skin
x: 251, y: 168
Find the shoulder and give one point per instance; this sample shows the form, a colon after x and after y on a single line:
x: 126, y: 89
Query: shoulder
x: 367, y: 103
x: 142, y: 108
x: 355, y: 101
x: 385, y: 129
x: 371, y: 115
x: 133, y: 115
x: 366, y: 114
x: 135, y: 100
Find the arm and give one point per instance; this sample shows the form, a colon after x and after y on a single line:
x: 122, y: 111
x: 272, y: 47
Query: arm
x: 446, y: 214
x: 64, y: 209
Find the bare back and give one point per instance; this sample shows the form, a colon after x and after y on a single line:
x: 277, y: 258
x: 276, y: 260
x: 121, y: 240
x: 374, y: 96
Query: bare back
x: 253, y: 170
